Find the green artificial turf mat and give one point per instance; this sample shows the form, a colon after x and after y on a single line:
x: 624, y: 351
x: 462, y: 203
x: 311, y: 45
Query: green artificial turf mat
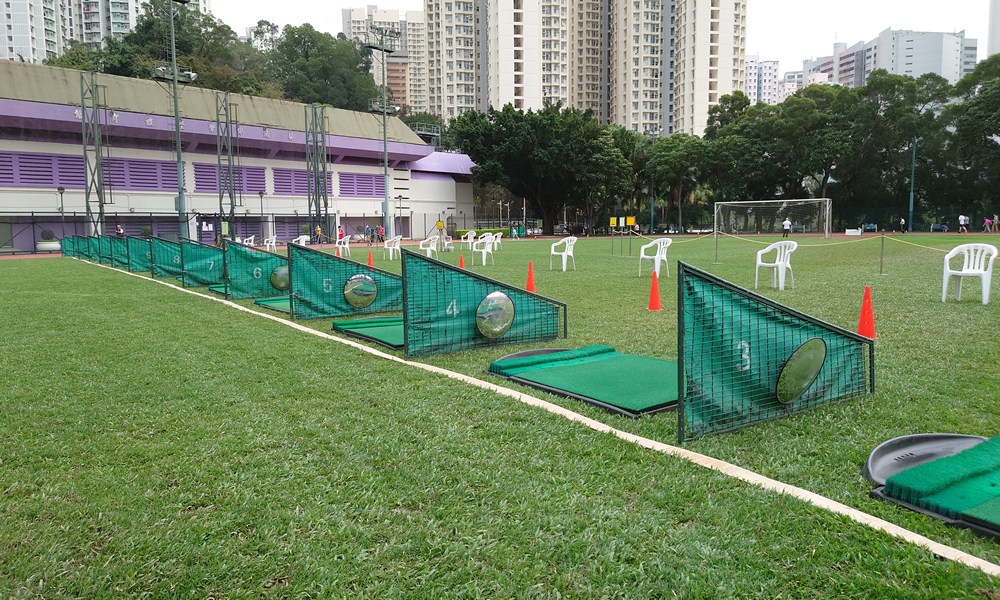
x: 218, y: 289
x: 278, y: 303
x: 633, y: 383
x: 928, y: 479
x: 987, y: 512
x: 387, y: 331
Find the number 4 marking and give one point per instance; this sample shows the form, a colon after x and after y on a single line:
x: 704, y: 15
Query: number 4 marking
x: 452, y: 309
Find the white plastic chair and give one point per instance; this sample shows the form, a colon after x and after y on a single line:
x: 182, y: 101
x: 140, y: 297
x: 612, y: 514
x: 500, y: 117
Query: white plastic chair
x: 249, y: 241
x: 566, y: 251
x: 468, y: 238
x: 483, y: 245
x: 496, y: 240
x: 271, y: 243
x: 977, y: 261
x: 447, y: 244
x: 344, y: 245
x: 658, y: 255
x: 392, y: 245
x: 429, y: 245
x: 302, y: 240
x: 782, y: 262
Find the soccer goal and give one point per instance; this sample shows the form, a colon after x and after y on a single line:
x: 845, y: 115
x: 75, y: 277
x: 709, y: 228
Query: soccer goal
x: 810, y: 216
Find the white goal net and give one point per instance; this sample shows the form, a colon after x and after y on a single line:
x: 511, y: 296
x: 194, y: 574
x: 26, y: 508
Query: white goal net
x: 810, y: 216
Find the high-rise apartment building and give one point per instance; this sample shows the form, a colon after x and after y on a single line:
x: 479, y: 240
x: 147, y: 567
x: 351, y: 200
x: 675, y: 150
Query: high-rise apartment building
x: 636, y: 78
x: 993, y: 43
x: 414, y: 39
x: 98, y: 19
x: 710, y: 58
x: 587, y: 85
x: 33, y: 31
x: 453, y: 56
x: 762, y: 83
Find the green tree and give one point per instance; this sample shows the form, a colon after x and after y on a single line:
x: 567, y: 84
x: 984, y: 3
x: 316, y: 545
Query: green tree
x: 541, y: 156
x: 315, y: 67
x: 678, y: 163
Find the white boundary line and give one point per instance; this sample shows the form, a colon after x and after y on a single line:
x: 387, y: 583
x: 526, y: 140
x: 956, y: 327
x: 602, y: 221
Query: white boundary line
x: 708, y: 462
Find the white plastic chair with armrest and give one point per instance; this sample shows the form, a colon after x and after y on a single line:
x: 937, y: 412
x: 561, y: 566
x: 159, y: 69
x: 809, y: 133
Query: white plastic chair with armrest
x: 302, y: 240
x: 446, y: 243
x: 344, y: 245
x: 658, y: 249
x: 483, y: 245
x: 468, y: 238
x: 429, y: 245
x: 392, y: 245
x: 496, y: 240
x: 977, y: 261
x: 271, y: 243
x: 567, y: 251
x: 249, y: 241
x: 782, y: 263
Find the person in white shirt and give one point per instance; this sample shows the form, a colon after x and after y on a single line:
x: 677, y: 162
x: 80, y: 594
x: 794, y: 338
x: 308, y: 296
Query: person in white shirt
x: 786, y: 227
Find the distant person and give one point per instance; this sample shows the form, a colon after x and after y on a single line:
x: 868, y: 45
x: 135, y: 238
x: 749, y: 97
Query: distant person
x: 963, y: 222
x: 368, y: 234
x: 786, y: 227
x: 119, y: 231
x: 319, y: 234
x: 902, y: 225
x: 987, y: 225
x: 996, y: 225
x: 340, y: 232
x: 381, y: 233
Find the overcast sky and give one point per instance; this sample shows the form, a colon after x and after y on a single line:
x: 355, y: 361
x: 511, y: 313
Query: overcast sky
x: 783, y: 30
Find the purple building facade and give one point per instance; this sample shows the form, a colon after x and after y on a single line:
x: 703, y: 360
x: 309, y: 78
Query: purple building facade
x: 41, y: 150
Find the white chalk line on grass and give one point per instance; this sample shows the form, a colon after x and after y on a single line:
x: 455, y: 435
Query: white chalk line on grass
x: 708, y: 462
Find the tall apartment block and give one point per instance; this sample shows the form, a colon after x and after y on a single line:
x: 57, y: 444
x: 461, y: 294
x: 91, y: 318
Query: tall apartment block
x: 33, y: 31
x: 98, y: 19
x: 762, y: 83
x: 637, y: 82
x: 406, y: 66
x: 587, y: 85
x: 993, y: 43
x: 453, y: 56
x: 710, y: 58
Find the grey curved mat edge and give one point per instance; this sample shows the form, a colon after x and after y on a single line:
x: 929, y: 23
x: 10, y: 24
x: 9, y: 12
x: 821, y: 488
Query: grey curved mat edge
x: 900, y: 453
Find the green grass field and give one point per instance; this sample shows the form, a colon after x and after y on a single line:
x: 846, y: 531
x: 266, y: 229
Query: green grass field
x: 156, y: 444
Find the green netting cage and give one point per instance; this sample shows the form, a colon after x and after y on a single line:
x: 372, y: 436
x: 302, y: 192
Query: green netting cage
x: 140, y: 254
x: 66, y: 245
x: 324, y: 285
x: 253, y: 273
x: 104, y: 250
x: 202, y: 265
x: 78, y: 246
x: 119, y: 252
x: 93, y: 249
x: 446, y: 309
x: 744, y: 359
x: 166, y: 258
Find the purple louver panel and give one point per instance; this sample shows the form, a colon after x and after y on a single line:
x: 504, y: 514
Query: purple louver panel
x: 361, y: 185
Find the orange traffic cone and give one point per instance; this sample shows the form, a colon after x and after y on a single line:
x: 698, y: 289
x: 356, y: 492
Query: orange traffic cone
x: 654, y: 295
x: 461, y: 262
x: 338, y: 252
x: 531, y: 278
x: 866, y: 324
x: 370, y: 263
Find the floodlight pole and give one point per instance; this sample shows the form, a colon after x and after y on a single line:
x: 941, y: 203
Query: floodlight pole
x: 261, y: 194
x: 383, y: 36
x: 181, y: 205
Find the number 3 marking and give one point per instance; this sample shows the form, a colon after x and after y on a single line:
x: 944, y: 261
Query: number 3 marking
x: 744, y: 350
